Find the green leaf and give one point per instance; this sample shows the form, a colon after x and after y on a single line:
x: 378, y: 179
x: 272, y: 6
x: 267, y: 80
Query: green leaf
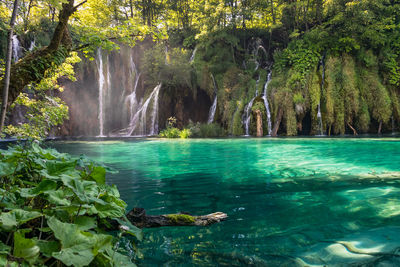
x: 130, y: 228
x: 44, y: 186
x: 47, y: 248
x: 75, y: 256
x: 99, y: 175
x: 4, y: 249
x: 76, y: 245
x: 59, y: 197
x: 14, y: 218
x: 25, y: 248
x: 86, y: 223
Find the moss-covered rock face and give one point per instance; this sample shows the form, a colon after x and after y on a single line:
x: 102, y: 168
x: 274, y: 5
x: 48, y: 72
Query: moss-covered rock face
x: 181, y: 218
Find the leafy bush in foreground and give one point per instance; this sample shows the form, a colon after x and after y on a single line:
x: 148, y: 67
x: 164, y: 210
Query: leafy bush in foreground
x: 55, y: 211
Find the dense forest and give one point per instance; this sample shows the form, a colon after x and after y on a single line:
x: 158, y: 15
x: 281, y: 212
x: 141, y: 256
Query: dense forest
x: 303, y: 67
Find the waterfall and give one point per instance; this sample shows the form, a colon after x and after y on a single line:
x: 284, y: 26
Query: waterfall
x: 256, y: 55
x: 154, y: 115
x: 257, y: 82
x: 319, y: 115
x: 131, y: 98
x: 17, y: 49
x: 140, y: 117
x: 193, y: 55
x: 32, y: 45
x: 211, y: 113
x: 101, y: 91
x: 265, y: 98
x: 247, y: 116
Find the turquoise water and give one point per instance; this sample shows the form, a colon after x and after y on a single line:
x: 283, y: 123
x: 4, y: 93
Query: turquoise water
x: 290, y: 202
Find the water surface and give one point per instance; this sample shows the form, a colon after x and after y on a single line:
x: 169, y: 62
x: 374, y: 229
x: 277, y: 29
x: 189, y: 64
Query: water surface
x: 290, y: 202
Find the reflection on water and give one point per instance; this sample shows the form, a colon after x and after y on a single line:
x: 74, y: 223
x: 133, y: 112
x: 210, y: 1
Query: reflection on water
x: 290, y: 202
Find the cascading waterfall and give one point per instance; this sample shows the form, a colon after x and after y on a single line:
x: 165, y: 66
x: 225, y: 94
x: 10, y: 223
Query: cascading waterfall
x: 247, y: 116
x: 256, y: 55
x: 32, y: 45
x: 101, y: 91
x: 265, y: 98
x: 17, y: 49
x: 213, y: 107
x: 247, y: 109
x: 193, y: 55
x: 257, y: 83
x: 131, y: 98
x: 140, y: 117
x: 154, y: 115
x: 319, y: 115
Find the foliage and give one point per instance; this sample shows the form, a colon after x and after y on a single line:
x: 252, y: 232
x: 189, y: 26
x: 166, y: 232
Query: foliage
x: 185, y: 133
x: 205, y: 130
x: 55, y: 210
x: 43, y: 110
x: 170, y: 132
x: 173, y: 132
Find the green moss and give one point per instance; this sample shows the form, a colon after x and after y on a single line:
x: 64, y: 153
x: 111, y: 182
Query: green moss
x: 181, y: 218
x: 237, y: 126
x: 351, y: 92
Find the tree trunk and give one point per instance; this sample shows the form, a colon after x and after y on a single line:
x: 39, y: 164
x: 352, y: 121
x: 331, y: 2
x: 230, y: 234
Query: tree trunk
x: 31, y: 68
x: 138, y: 217
x: 6, y: 83
x: 277, y: 122
x: 352, y: 128
x: 259, y: 123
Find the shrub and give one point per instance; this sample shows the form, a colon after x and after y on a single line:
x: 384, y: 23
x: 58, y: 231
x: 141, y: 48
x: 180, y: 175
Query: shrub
x: 204, y: 130
x: 55, y: 211
x: 185, y: 133
x: 170, y: 132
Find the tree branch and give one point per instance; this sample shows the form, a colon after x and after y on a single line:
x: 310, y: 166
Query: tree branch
x: 77, y: 6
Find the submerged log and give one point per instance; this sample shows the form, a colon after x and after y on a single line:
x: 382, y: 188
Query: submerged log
x: 138, y: 217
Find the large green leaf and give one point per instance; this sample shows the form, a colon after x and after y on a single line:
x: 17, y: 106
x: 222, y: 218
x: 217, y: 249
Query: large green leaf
x: 25, y: 248
x: 98, y: 174
x: 47, y: 248
x: 86, y: 223
x: 14, y: 218
x: 84, y: 190
x: 6, y: 168
x: 75, y: 256
x: 59, y: 197
x: 44, y: 186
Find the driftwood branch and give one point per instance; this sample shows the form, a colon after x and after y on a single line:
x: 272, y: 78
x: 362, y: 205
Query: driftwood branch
x: 138, y: 217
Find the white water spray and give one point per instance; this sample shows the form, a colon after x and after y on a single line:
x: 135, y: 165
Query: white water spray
x: 319, y: 115
x: 211, y: 113
x: 247, y: 116
x: 140, y: 117
x: 101, y: 83
x: 265, y: 98
x: 193, y: 55
x: 17, y: 49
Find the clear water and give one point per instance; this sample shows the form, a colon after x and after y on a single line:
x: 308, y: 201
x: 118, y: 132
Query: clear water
x: 289, y: 201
